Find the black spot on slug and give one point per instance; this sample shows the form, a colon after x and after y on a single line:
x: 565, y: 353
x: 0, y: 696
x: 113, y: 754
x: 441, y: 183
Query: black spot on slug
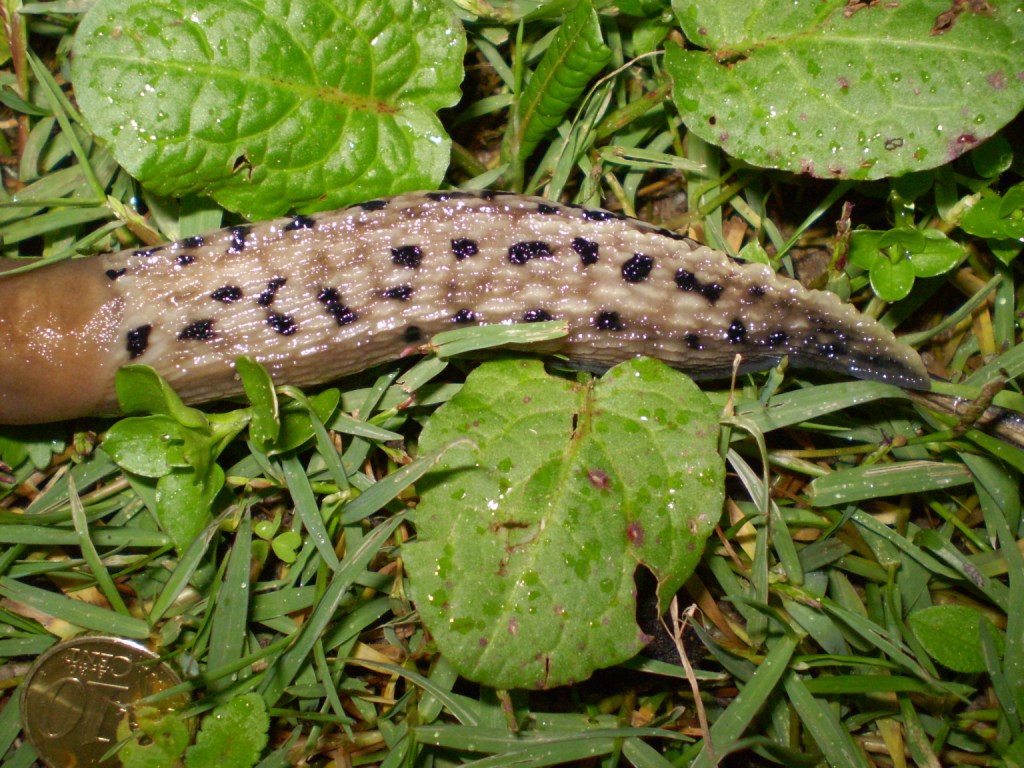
x: 637, y: 268
x: 693, y: 341
x: 608, y: 321
x: 192, y: 242
x: 536, y: 316
x: 441, y: 197
x: 138, y: 340
x: 342, y: 315
x: 145, y: 253
x: 711, y: 292
x: 412, y: 334
x: 299, y: 222
x: 267, y: 296
x: 546, y: 209
x: 329, y: 296
x: 200, y: 330
x: 756, y: 291
x: 670, y: 234
x: 778, y: 339
x: 408, y: 256
x: 687, y: 281
x: 400, y: 292
x: 227, y: 294
x: 331, y: 300
x: 184, y: 259
x: 113, y: 274
x: 522, y: 252
x: 593, y: 214
x: 464, y: 248
x: 587, y: 249
x: 464, y: 316
x: 737, y: 333
x: 282, y: 324
x: 237, y: 235
x: 373, y: 205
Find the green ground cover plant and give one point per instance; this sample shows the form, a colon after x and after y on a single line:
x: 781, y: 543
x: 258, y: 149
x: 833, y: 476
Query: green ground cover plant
x: 850, y: 584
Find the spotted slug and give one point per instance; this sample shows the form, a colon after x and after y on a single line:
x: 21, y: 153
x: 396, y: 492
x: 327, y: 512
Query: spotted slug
x: 315, y: 298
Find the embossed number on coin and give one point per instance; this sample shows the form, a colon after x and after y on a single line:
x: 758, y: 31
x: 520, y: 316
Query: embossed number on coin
x: 78, y: 691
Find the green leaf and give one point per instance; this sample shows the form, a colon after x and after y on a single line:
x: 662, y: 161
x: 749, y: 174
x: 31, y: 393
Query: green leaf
x: 259, y: 389
x: 864, y: 247
x: 997, y: 217
x: 164, y: 738
x: 232, y: 736
x: 576, y: 54
x: 834, y: 89
x: 184, y: 499
x: 950, y: 635
x: 874, y: 481
x: 286, y: 546
x: 569, y: 487
x: 992, y: 158
x: 140, y: 389
x: 937, y: 256
x: 271, y: 105
x: 892, y: 280
x: 915, y: 253
x: 150, y: 446
x: 296, y: 424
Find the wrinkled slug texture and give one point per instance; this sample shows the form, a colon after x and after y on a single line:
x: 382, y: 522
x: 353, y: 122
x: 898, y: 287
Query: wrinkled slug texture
x: 317, y: 297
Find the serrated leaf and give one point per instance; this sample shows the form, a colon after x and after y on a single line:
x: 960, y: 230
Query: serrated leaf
x: 575, y: 55
x: 836, y: 89
x: 950, y: 635
x: 272, y: 105
x: 218, y: 744
x: 568, y: 488
x: 165, y: 739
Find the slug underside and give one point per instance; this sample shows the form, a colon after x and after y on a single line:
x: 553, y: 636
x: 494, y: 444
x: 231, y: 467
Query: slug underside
x: 317, y: 297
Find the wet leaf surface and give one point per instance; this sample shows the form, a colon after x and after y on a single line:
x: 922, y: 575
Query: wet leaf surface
x: 848, y: 90
x: 271, y: 106
x: 528, y: 540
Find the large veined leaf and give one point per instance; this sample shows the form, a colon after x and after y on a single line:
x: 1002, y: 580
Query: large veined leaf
x: 851, y: 90
x: 272, y: 105
x: 529, y: 538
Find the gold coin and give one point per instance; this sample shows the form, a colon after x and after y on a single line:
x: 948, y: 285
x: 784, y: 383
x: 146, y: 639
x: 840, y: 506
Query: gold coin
x: 78, y: 691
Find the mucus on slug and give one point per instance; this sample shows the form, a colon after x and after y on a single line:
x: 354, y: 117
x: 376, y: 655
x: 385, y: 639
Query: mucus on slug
x: 317, y: 297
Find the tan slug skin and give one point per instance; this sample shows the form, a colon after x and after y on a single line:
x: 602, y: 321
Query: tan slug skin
x: 315, y: 298
x: 58, y: 342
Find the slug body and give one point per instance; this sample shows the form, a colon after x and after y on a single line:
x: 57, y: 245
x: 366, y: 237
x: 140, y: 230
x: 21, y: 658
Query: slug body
x: 315, y: 298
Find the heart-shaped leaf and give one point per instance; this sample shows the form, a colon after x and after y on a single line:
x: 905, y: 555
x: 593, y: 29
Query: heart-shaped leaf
x: 528, y: 541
